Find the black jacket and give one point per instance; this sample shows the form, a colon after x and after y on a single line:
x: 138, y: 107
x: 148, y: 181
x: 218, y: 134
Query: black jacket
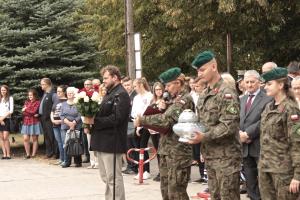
x: 110, y: 129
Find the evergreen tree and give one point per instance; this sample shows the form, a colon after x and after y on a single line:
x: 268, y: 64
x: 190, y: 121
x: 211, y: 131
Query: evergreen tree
x: 41, y: 38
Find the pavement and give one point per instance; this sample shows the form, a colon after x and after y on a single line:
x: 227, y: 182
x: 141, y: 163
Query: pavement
x: 40, y: 179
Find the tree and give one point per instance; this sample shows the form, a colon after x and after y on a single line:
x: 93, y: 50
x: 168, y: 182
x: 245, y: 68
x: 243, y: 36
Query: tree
x: 173, y: 32
x: 41, y: 38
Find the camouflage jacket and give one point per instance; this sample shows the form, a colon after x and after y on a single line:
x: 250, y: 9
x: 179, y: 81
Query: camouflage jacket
x: 280, y: 138
x: 218, y: 111
x: 169, y: 143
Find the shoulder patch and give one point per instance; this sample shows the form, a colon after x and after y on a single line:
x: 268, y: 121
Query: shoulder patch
x: 298, y: 131
x: 228, y: 96
x: 232, y: 109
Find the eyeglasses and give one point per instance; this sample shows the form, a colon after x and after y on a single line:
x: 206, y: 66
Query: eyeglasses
x: 87, y: 84
x: 158, y: 89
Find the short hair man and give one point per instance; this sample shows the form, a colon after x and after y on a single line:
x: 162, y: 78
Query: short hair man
x: 109, y: 134
x: 131, y: 168
x: 268, y: 66
x: 218, y: 111
x: 251, y: 107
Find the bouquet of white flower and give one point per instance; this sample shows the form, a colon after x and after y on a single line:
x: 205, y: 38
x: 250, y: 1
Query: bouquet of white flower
x: 88, y: 106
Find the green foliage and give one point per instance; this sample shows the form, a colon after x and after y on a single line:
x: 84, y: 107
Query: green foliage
x: 41, y: 38
x: 173, y: 32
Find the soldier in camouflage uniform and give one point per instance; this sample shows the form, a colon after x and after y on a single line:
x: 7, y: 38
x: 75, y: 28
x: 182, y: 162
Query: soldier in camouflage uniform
x: 218, y: 111
x: 175, y: 157
x: 279, y: 162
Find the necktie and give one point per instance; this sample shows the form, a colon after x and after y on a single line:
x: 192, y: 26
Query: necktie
x: 249, y: 103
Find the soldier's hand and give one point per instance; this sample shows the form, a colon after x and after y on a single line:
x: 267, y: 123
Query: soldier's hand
x: 294, y: 186
x: 198, y: 137
x: 162, y: 105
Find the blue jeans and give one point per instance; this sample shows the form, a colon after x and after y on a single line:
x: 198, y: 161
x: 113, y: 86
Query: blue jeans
x: 60, y: 138
x: 63, y: 137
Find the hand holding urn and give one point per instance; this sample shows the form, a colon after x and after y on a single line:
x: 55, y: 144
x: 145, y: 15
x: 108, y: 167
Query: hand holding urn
x: 187, y: 126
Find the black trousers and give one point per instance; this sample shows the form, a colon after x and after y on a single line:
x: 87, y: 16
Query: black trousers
x: 142, y: 142
x: 85, y: 145
x: 196, y: 156
x: 50, y: 142
x: 251, y: 174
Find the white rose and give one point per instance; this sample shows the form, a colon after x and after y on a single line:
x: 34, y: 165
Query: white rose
x: 82, y: 94
x: 86, y: 99
x: 76, y: 100
x: 95, y: 97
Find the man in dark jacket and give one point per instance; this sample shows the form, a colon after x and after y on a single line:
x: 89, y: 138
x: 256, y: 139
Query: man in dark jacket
x: 251, y: 107
x: 109, y: 134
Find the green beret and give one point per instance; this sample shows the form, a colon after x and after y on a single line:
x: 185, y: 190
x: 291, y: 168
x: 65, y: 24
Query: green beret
x: 275, y: 73
x: 202, y: 58
x: 170, y: 75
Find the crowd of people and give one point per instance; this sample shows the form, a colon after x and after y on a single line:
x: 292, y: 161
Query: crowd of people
x: 252, y: 127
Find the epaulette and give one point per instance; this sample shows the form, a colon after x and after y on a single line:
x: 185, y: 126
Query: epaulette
x: 228, y: 96
x: 295, y: 117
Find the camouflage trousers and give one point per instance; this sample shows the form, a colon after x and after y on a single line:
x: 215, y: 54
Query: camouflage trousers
x: 275, y: 186
x: 174, y: 176
x: 223, y: 179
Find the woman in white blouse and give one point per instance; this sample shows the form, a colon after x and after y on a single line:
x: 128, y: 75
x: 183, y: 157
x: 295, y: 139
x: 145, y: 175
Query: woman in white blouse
x: 6, y: 109
x: 140, y: 103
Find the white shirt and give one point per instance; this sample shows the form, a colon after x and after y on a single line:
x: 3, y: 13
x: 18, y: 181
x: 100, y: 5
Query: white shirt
x: 140, y: 104
x: 6, y: 107
x: 255, y: 94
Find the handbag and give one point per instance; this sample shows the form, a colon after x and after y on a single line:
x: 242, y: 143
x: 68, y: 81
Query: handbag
x: 130, y: 129
x: 74, y: 146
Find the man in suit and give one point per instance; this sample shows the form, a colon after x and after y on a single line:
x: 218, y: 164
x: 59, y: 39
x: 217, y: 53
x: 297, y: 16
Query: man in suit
x: 49, y: 97
x: 109, y: 133
x: 251, y: 107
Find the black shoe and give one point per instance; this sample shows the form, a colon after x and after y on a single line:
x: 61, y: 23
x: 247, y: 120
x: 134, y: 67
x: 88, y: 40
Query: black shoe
x: 3, y: 158
x: 128, y: 171
x: 200, y: 180
x: 243, y: 191
x: 26, y: 157
x: 157, y: 178
x: 65, y: 165
x: 8, y: 158
x: 78, y: 165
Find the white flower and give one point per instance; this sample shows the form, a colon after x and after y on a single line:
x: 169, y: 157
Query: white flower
x: 76, y: 99
x: 95, y: 97
x: 86, y: 99
x: 82, y: 94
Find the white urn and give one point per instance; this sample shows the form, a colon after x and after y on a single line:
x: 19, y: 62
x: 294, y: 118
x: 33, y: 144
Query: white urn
x: 187, y: 125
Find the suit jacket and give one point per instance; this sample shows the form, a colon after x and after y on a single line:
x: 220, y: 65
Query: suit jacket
x: 110, y: 128
x: 48, y: 101
x: 250, y: 122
